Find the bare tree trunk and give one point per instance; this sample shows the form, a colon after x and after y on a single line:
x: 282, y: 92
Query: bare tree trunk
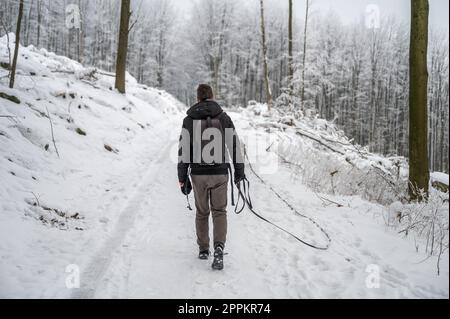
x: 162, y: 42
x: 161, y: 61
x: 122, y: 50
x: 39, y: 19
x: 302, y: 90
x: 418, y: 118
x: 290, y: 52
x: 16, y: 49
x: 264, y: 51
x: 80, y: 38
x: 28, y: 23
x: 217, y: 59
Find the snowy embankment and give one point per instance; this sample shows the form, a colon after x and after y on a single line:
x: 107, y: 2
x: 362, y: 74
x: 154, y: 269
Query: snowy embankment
x: 109, y: 204
x: 321, y: 157
x: 57, y: 210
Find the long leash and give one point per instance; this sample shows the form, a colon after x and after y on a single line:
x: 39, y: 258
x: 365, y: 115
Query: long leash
x: 185, y: 190
x: 244, y: 193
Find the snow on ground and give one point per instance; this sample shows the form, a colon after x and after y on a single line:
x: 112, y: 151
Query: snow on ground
x: 88, y: 184
x: 439, y: 177
x: 119, y: 216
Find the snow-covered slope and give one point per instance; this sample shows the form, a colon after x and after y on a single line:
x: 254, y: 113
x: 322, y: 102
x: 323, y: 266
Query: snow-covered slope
x: 52, y: 207
x: 327, y: 160
x: 109, y: 205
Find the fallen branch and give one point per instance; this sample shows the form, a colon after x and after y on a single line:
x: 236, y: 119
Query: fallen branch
x: 334, y: 141
x: 37, y: 199
x: 390, y: 183
x: 63, y: 71
x: 8, y: 97
x: 359, y: 151
x: 378, y: 171
x: 51, y: 127
x: 36, y: 110
x: 91, y: 84
x: 319, y: 141
x: 283, y: 158
x: 10, y: 117
x: 324, y: 199
x: 91, y: 74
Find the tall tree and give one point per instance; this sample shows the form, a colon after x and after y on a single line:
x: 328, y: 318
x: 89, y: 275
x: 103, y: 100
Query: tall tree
x: 16, y: 48
x: 122, y: 50
x: 264, y: 51
x: 290, y: 51
x: 356, y: 76
x: 39, y: 19
x: 305, y: 33
x: 164, y: 25
x: 28, y: 23
x: 418, y: 88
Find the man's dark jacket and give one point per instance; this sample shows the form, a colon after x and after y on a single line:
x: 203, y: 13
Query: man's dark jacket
x: 202, y: 111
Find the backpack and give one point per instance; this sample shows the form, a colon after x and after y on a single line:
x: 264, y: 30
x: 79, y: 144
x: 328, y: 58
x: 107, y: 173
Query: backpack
x: 211, y: 129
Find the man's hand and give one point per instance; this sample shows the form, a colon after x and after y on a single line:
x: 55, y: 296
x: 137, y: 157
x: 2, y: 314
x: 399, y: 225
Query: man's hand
x: 186, y: 187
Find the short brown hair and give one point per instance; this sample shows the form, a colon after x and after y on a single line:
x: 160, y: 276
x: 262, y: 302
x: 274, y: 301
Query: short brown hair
x: 204, y: 92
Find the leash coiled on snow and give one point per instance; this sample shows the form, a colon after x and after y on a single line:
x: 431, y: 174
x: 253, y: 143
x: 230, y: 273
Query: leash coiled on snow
x: 244, y: 193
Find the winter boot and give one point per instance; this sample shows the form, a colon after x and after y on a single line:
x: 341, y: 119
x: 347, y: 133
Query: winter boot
x: 218, y: 258
x: 203, y: 254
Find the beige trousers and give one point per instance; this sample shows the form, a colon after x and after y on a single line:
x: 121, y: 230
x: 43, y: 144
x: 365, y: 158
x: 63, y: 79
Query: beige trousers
x: 210, y: 193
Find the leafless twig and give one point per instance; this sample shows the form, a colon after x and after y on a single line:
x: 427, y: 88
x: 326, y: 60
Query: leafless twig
x: 51, y: 127
x: 91, y: 84
x: 37, y: 199
x: 10, y: 117
x: 324, y: 199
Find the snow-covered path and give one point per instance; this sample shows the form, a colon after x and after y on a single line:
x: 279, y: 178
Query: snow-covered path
x: 111, y: 207
x: 152, y: 253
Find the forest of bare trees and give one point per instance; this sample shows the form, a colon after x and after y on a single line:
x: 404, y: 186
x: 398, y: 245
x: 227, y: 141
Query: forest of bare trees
x: 356, y: 76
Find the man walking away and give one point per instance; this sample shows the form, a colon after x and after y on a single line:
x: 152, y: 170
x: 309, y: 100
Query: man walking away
x: 208, y: 125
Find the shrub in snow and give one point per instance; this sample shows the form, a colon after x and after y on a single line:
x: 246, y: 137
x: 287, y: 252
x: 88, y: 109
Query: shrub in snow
x: 86, y: 74
x: 325, y: 160
x: 394, y: 213
x: 287, y: 120
x: 428, y: 223
x: 251, y: 103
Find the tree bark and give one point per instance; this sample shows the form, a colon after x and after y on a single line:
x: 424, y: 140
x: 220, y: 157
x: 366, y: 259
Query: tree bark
x: 418, y: 118
x: 16, y: 48
x: 80, y: 34
x: 39, y: 12
x: 264, y: 51
x: 122, y: 50
x: 302, y: 90
x: 28, y: 23
x: 290, y: 51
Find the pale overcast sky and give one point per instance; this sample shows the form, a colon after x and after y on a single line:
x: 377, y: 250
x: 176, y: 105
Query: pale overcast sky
x: 353, y: 10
